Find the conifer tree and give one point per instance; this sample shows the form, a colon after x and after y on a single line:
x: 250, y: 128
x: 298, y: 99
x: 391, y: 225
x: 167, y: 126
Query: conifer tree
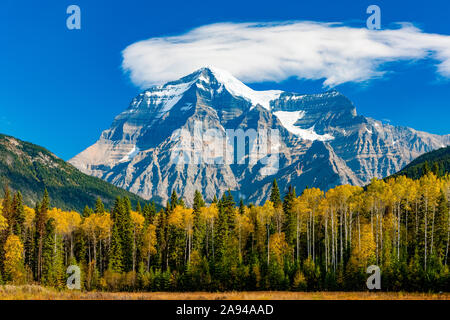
x: 173, y: 200
x: 199, y: 225
x: 115, y: 252
x: 290, y: 222
x: 99, y: 206
x: 40, y: 232
x: 275, y: 194
x: 241, y: 207
x: 6, y: 204
x: 87, y: 211
x: 125, y: 229
x: 49, y: 273
x: 19, y: 217
x: 138, y: 207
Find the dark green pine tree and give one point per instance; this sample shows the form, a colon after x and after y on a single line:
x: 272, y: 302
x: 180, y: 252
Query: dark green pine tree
x: 7, y: 205
x: 241, y: 207
x: 173, y: 200
x: 425, y: 168
x: 29, y: 250
x: 435, y: 169
x: 229, y: 207
x: 40, y: 233
x: 19, y: 217
x: 162, y: 239
x: 149, y: 212
x: 214, y: 199
x: 99, y: 206
x: 125, y: 228
x: 115, y: 252
x: 49, y: 273
x: 222, y: 232
x: 199, y: 231
x: 87, y: 211
x: 275, y: 194
x: 138, y: 207
x: 6, y: 211
x: 117, y: 210
x: 289, y: 226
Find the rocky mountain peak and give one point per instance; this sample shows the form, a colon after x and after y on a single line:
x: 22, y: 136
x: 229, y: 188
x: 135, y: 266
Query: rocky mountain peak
x: 323, y: 141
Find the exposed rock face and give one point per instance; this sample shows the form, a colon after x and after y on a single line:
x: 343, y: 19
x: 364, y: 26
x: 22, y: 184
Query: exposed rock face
x: 323, y: 142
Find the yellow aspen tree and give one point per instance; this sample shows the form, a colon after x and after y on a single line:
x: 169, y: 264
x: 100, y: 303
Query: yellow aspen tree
x: 149, y: 243
x: 279, y: 248
x: 210, y: 215
x: 14, y: 259
x: 363, y: 255
x: 3, y: 223
x: 183, y: 218
x: 265, y: 215
x: 243, y: 228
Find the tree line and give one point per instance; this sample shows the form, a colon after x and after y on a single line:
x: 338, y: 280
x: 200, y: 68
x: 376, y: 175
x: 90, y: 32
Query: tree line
x: 315, y: 241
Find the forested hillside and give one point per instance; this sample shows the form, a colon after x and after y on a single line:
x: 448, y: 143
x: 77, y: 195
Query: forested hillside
x: 314, y: 241
x: 437, y: 161
x: 30, y: 169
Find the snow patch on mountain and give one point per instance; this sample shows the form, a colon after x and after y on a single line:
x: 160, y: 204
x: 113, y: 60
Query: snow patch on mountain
x: 288, y: 120
x: 237, y: 88
x: 130, y: 155
x: 166, y: 96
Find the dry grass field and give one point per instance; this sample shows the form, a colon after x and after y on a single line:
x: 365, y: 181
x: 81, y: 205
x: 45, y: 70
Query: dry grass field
x: 32, y: 292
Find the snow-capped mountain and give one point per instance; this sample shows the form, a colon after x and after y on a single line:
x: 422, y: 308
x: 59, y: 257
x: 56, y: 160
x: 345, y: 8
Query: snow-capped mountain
x: 323, y: 142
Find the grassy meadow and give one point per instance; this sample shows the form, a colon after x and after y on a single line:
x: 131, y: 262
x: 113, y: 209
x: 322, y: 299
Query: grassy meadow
x: 34, y: 292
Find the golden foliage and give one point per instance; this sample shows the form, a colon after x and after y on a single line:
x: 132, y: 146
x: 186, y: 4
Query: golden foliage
x: 14, y: 268
x: 3, y: 223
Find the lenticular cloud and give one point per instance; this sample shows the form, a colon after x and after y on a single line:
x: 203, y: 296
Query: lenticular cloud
x: 256, y: 52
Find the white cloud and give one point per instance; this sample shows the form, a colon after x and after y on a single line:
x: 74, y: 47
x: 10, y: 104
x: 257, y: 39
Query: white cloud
x: 256, y: 52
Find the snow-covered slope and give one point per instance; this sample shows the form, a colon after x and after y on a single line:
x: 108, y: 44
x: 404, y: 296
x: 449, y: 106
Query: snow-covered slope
x: 288, y: 120
x: 237, y: 88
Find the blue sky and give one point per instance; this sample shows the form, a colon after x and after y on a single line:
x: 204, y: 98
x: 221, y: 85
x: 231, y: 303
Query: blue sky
x: 60, y: 88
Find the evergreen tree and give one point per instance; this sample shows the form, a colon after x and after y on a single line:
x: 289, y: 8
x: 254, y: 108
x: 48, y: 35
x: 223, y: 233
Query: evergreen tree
x: 199, y: 227
x: 99, y: 206
x: 7, y: 204
x: 290, y: 222
x: 138, y: 207
x: 19, y: 217
x: 241, y: 207
x: 173, y: 200
x: 115, y: 252
x: 425, y: 168
x: 122, y: 220
x: 435, y: 169
x: 49, y: 273
x: 40, y: 232
x: 275, y: 194
x: 87, y: 211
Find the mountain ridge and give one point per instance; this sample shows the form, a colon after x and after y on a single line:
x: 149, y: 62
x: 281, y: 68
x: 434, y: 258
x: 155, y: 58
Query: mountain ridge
x: 135, y: 152
x: 30, y: 168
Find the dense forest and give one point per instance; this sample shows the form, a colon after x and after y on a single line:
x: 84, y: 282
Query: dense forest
x: 30, y: 169
x: 311, y: 241
x: 436, y: 161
